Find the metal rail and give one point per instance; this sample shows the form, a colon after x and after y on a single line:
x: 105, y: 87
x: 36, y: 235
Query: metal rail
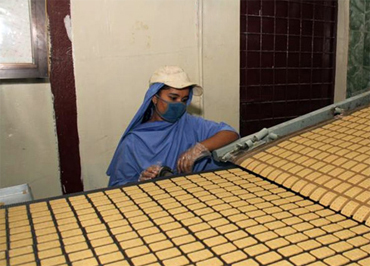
x: 250, y: 142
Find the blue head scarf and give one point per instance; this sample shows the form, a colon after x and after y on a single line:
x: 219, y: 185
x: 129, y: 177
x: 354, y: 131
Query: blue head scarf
x: 138, y: 118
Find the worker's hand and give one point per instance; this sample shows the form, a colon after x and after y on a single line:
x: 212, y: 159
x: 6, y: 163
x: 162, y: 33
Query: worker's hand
x: 187, y: 159
x: 149, y: 173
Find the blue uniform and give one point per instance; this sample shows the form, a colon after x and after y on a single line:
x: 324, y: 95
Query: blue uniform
x: 160, y: 142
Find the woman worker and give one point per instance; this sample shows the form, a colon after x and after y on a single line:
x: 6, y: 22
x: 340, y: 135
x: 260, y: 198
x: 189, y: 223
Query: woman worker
x: 163, y: 133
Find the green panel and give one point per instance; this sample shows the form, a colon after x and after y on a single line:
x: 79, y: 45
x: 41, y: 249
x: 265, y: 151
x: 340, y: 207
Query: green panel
x: 354, y: 81
x: 358, y: 72
x: 367, y: 16
x: 357, y: 14
x: 366, y: 53
x: 366, y: 80
x: 356, y: 49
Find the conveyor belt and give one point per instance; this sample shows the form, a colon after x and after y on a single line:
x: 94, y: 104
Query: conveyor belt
x: 226, y: 217
x: 329, y: 164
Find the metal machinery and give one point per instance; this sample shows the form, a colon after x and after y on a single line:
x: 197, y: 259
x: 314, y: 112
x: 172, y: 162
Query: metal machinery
x: 298, y: 194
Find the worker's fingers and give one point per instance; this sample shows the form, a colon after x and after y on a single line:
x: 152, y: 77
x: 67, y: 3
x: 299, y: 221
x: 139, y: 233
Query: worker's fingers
x: 184, y: 164
x: 188, y: 166
x: 149, y: 173
x: 146, y: 176
x: 186, y: 160
x: 178, y: 164
x: 143, y: 178
x: 153, y: 169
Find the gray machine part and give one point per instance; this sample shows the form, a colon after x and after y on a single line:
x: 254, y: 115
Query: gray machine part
x: 229, y: 152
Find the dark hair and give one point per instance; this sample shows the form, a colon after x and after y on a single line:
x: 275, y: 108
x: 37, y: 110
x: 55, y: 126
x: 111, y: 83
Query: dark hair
x: 165, y: 87
x: 148, y: 113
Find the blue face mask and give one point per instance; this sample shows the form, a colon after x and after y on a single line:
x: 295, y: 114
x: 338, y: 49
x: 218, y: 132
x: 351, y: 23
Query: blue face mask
x: 174, y: 111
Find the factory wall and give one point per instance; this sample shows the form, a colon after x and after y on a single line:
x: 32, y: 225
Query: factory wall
x: 28, y: 145
x: 117, y: 44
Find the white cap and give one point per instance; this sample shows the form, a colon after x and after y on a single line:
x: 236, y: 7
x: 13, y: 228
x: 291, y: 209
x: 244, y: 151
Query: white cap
x: 175, y: 77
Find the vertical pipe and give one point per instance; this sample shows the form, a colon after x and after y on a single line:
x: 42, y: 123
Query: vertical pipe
x: 340, y: 89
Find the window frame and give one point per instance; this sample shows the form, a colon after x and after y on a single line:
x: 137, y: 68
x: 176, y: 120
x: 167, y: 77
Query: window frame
x: 39, y: 67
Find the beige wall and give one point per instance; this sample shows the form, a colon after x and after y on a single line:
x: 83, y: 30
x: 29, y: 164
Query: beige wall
x: 28, y: 147
x: 221, y: 51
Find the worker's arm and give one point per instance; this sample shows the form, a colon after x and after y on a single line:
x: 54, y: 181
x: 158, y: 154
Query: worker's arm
x: 219, y: 140
x: 203, y: 149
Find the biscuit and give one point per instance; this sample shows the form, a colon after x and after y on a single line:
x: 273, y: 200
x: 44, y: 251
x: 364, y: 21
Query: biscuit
x: 111, y: 257
x: 322, y: 252
x: 214, y: 241
x: 183, y: 240
x: 53, y: 261
x: 148, y: 231
x: 145, y: 259
x: 76, y: 247
x: 48, y: 245
x: 177, y: 232
x: 80, y: 255
x: 73, y: 240
x: 89, y: 261
x: 45, y: 231
x: 18, y: 252
x: 49, y: 253
x: 199, y: 227
x: 234, y: 256
x: 16, y: 237
x: 22, y: 259
x: 224, y: 248
x: 47, y: 238
x: 168, y: 253
x: 181, y: 260
x: 336, y: 260
x: 96, y: 235
x: 121, y: 229
x: 106, y: 249
x: 20, y: 243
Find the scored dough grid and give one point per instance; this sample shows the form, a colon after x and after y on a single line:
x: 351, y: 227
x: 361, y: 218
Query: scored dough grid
x: 227, y: 217
x: 329, y: 164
